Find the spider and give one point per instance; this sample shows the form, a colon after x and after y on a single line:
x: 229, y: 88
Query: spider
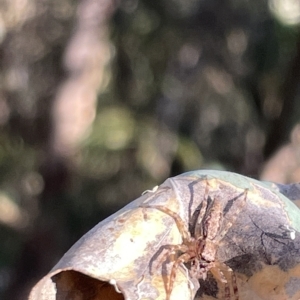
x: 199, y: 249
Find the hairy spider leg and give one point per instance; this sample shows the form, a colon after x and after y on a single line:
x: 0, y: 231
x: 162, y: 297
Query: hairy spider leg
x: 224, y: 230
x: 218, y: 273
x: 234, y: 286
x: 171, y: 249
x: 185, y: 234
x: 202, y: 213
x: 184, y: 258
x: 233, y: 282
x: 187, y: 246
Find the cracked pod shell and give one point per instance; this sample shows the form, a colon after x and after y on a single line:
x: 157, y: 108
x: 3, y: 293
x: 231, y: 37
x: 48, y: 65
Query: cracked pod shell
x: 113, y: 260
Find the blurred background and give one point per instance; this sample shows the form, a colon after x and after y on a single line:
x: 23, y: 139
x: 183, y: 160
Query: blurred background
x: 101, y: 100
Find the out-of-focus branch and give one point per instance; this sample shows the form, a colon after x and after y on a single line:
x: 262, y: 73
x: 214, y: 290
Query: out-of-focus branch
x: 282, y: 125
x: 86, y: 59
x: 284, y: 165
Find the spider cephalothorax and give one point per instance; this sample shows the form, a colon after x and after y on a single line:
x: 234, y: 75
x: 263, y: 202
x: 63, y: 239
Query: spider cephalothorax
x: 199, y: 250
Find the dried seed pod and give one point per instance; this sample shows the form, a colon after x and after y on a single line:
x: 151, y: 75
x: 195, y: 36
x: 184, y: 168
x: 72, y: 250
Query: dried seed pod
x: 203, y: 235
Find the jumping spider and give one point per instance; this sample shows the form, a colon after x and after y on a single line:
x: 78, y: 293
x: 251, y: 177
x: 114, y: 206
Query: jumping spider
x: 199, y: 249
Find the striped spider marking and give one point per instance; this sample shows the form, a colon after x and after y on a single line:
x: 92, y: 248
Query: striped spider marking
x: 199, y: 250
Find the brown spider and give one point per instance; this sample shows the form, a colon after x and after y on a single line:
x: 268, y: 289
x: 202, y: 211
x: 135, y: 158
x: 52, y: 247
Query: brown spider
x: 200, y: 249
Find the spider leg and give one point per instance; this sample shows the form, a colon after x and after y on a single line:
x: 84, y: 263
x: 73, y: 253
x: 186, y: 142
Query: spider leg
x: 187, y: 248
x: 218, y: 274
x: 185, y: 257
x: 227, y: 295
x: 234, y: 286
x: 171, y: 249
x: 233, y: 218
x: 208, y: 221
x: 181, y: 259
x: 185, y: 234
x: 223, y: 276
x: 198, y: 229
